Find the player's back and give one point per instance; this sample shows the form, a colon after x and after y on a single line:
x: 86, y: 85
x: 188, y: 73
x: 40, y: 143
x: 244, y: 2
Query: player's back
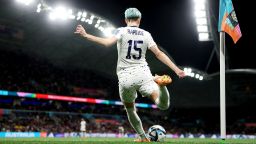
x: 132, y: 45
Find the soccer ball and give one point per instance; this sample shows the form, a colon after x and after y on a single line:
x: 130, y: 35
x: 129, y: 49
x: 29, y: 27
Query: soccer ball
x: 156, y: 133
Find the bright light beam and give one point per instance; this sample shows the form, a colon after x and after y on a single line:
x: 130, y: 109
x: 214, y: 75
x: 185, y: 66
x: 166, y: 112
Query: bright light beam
x: 57, y: 13
x: 26, y: 2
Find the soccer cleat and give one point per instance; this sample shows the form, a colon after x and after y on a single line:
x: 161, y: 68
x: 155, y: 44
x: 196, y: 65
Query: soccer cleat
x: 162, y: 80
x: 142, y: 140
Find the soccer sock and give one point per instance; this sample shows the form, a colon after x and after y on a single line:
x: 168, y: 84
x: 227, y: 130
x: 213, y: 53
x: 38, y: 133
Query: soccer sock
x: 163, y: 100
x: 135, y: 122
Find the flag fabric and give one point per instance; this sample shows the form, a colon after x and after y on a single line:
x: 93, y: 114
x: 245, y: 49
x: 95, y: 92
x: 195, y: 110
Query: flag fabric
x: 228, y: 21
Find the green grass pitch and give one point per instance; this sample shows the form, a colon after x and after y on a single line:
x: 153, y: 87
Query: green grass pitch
x: 119, y: 141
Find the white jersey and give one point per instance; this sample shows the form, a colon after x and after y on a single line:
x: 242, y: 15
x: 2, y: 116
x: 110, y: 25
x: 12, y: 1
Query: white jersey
x: 83, y: 125
x: 132, y: 45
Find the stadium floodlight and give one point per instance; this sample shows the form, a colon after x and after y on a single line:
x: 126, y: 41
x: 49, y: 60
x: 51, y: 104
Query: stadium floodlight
x: 90, y: 20
x: 200, y: 6
x: 199, y: 1
x: 26, y: 2
x: 185, y: 70
x: 59, y: 13
x: 201, y: 21
x: 202, y: 28
x: 98, y: 23
x: 79, y: 15
x: 192, y: 74
x: 39, y: 8
x: 84, y: 14
x: 189, y: 70
x: 203, y: 36
x: 82, y: 19
x: 200, y: 13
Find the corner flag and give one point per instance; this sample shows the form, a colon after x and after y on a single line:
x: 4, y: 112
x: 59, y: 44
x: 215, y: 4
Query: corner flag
x: 228, y: 21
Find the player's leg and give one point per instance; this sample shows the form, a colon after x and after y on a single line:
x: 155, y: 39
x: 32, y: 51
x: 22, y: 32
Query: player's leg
x: 158, y: 93
x: 83, y: 133
x: 128, y: 83
x: 161, y: 98
x: 128, y: 95
x: 135, y: 121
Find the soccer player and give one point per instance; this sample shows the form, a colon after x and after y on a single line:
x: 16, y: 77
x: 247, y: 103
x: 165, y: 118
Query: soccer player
x: 82, y: 127
x: 121, y: 131
x: 132, y: 69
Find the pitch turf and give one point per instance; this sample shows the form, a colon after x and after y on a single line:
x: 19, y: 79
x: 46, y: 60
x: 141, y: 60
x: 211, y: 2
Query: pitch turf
x: 118, y: 141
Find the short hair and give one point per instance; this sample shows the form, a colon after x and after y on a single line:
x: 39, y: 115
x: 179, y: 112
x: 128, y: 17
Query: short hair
x: 132, y: 13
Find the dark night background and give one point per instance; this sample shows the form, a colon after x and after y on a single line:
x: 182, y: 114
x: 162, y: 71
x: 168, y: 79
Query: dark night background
x: 45, y: 56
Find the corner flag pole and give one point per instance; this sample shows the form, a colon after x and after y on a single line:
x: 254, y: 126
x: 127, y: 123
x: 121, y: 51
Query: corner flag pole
x: 222, y: 87
x: 227, y: 23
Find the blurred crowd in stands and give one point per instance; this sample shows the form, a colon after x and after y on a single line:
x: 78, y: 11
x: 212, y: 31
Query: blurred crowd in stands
x: 24, y: 121
x: 100, y: 118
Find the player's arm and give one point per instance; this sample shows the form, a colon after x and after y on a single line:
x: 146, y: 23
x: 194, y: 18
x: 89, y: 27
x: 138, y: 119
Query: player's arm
x: 107, y: 42
x: 166, y: 60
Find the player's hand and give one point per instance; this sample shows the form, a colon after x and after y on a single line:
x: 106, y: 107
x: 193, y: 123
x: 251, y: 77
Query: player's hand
x: 180, y: 73
x: 80, y: 30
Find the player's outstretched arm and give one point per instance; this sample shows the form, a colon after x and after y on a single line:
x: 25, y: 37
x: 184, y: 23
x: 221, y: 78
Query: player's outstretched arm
x: 107, y: 42
x: 166, y: 60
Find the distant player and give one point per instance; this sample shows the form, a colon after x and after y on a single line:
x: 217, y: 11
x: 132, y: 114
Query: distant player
x: 82, y: 128
x: 132, y: 69
x: 121, y: 130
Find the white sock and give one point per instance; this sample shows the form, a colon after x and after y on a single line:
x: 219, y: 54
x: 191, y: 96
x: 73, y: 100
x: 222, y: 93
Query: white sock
x: 163, y: 100
x: 135, y: 122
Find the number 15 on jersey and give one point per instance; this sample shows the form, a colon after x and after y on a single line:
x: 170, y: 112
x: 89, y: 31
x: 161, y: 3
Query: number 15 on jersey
x: 133, y: 45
